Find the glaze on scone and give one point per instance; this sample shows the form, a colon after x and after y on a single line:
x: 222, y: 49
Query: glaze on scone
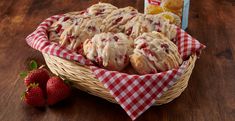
x: 73, y: 32
x: 147, y: 23
x: 109, y: 50
x: 101, y: 9
x: 154, y: 52
x: 76, y: 34
x: 117, y: 19
x: 134, y: 27
x: 58, y: 27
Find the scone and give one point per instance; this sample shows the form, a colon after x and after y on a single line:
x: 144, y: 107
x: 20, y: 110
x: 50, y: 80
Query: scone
x: 135, y: 26
x: 58, y: 27
x: 147, y: 23
x: 101, y: 9
x: 116, y: 20
x: 74, y: 31
x: 109, y: 50
x: 85, y: 28
x: 153, y: 52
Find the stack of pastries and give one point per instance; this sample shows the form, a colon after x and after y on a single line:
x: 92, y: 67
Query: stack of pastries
x: 114, y: 38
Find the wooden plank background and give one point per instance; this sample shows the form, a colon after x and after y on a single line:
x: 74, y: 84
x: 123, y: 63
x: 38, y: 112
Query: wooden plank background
x: 210, y: 95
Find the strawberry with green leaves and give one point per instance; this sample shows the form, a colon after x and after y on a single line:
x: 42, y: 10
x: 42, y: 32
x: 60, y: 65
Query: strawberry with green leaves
x: 36, y: 75
x: 39, y: 76
x: 57, y: 90
x: 34, y: 96
x: 42, y: 89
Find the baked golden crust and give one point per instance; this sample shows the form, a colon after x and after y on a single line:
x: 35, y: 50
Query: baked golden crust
x: 141, y: 64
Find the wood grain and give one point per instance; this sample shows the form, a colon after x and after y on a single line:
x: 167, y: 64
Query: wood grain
x: 210, y: 95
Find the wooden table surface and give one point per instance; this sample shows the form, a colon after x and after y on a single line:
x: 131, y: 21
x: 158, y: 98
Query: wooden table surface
x: 210, y: 95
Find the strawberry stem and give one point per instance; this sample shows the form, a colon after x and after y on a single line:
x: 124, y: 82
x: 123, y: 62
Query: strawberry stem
x: 42, y: 66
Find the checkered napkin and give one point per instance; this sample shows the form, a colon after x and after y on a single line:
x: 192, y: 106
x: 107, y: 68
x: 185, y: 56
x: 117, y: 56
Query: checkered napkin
x: 134, y: 93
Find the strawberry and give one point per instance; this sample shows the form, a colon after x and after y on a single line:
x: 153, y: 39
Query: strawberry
x: 34, y: 96
x: 57, y: 90
x: 39, y: 76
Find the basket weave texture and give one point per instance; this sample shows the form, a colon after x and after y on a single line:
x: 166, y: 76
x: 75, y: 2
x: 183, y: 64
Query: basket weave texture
x: 85, y: 80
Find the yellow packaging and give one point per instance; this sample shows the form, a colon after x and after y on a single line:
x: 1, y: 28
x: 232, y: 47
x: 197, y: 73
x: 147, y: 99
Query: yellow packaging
x: 176, y: 11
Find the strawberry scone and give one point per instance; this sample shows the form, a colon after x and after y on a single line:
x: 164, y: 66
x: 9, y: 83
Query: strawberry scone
x: 75, y: 30
x: 147, y: 23
x: 134, y: 27
x: 109, y: 50
x: 154, y: 52
x: 101, y: 9
x: 74, y: 36
x: 58, y: 27
x: 117, y: 19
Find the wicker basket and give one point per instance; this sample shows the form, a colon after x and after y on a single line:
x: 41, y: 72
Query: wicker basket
x: 83, y: 78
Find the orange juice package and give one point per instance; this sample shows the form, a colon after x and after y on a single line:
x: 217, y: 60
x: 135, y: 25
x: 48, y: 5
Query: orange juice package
x: 176, y: 11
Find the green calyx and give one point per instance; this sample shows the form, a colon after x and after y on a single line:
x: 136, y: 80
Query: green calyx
x: 66, y: 80
x: 33, y: 65
x: 32, y: 85
x: 23, y: 74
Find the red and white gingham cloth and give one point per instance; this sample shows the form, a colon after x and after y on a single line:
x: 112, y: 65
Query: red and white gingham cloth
x: 134, y: 93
